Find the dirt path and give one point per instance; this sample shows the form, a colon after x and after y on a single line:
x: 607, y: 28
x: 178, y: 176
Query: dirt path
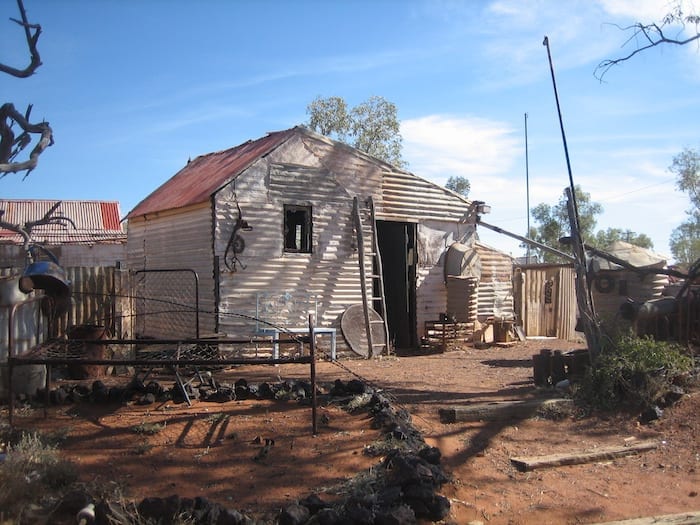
x: 210, y: 449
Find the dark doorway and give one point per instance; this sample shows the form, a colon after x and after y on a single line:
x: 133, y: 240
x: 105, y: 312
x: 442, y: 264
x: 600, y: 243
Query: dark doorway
x: 397, y: 248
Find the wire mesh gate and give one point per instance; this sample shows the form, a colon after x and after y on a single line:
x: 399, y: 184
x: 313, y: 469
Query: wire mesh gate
x: 166, y: 303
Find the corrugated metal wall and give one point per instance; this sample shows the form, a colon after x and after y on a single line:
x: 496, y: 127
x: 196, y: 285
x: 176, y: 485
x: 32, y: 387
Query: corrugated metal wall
x: 291, y: 175
x: 330, y: 273
x: 408, y: 197
x: 611, y: 288
x: 495, y: 293
x: 12, y: 255
x: 434, y: 238
x: 180, y: 240
x: 547, y: 300
x: 567, y: 305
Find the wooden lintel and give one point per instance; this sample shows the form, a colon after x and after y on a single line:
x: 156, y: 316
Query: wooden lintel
x: 577, y: 458
x: 502, y: 410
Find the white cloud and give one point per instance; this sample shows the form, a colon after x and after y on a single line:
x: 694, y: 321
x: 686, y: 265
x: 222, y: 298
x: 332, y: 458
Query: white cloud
x: 440, y: 146
x: 644, y: 11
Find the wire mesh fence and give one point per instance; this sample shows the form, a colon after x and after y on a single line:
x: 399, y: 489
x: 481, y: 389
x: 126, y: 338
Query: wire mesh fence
x: 166, y: 303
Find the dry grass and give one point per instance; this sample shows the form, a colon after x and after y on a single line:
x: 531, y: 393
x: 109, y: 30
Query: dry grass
x: 31, y: 469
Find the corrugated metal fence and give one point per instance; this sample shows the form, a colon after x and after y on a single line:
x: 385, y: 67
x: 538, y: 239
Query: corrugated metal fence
x: 546, y: 300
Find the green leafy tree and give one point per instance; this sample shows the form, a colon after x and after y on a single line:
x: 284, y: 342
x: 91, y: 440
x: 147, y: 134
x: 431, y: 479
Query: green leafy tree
x: 604, y: 238
x: 329, y: 117
x: 372, y: 126
x: 686, y: 166
x: 553, y: 223
x: 460, y: 185
x: 685, y: 239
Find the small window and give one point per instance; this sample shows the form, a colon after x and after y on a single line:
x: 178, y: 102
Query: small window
x: 297, y: 229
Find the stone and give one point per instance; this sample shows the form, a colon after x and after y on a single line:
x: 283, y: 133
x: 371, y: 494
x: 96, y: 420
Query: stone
x: 327, y: 516
x: 401, y: 515
x: 431, y: 454
x: 230, y: 517
x: 294, y: 515
x: 313, y: 503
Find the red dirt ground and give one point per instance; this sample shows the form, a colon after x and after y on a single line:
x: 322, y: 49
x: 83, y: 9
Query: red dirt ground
x: 208, y: 449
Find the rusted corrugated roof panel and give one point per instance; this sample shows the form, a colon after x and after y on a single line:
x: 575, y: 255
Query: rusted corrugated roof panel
x: 201, y: 177
x: 95, y: 221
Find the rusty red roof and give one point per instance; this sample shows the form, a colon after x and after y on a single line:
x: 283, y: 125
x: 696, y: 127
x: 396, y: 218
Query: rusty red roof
x: 201, y: 177
x: 95, y: 221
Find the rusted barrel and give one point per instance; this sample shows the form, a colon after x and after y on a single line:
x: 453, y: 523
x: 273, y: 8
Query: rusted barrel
x: 88, y: 332
x: 542, y: 367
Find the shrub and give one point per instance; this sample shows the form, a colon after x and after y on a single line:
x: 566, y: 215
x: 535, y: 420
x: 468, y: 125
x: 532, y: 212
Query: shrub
x: 632, y: 372
x: 31, y: 467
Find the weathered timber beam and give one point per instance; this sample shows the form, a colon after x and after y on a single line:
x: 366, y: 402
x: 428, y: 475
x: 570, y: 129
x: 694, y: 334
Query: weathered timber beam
x: 577, y: 458
x: 502, y: 410
x: 536, y: 244
x: 684, y: 518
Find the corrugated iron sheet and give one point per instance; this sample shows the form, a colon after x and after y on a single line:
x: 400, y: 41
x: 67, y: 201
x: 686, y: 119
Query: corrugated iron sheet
x: 329, y: 275
x: 95, y: 221
x: 547, y: 300
x: 495, y: 292
x: 203, y: 176
x: 178, y: 241
x: 408, y: 197
x: 611, y: 288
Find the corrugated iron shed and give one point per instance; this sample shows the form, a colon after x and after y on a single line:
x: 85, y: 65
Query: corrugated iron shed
x: 203, y: 176
x: 404, y: 195
x: 95, y: 221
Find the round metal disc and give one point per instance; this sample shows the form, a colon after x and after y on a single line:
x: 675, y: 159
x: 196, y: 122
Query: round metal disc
x: 353, y: 326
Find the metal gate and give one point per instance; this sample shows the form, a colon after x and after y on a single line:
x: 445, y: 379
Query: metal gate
x: 166, y: 303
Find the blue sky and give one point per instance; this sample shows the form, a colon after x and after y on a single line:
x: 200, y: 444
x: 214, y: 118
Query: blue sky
x: 133, y: 89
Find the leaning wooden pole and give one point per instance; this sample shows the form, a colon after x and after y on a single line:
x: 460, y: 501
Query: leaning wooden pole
x: 591, y: 327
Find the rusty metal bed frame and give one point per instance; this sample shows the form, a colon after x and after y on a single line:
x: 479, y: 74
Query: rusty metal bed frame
x: 195, y: 352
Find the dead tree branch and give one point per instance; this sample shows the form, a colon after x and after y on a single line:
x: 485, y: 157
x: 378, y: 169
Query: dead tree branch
x: 652, y: 35
x: 11, y: 146
x: 49, y: 218
x: 31, y: 34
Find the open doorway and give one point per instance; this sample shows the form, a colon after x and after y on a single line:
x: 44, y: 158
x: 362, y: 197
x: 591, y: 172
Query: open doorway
x: 397, y: 248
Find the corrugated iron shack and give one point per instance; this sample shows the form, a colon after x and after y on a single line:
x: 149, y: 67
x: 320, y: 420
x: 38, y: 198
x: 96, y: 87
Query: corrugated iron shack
x: 96, y: 237
x: 612, y: 285
x: 274, y: 217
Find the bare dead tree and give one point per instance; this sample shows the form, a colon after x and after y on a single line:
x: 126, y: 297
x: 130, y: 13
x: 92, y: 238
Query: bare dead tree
x: 651, y: 35
x: 12, y: 144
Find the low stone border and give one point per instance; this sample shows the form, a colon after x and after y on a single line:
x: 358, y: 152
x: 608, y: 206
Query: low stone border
x: 402, y: 489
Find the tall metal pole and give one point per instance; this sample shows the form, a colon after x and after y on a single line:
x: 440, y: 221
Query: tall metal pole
x: 584, y: 299
x: 563, y: 135
x: 527, y: 190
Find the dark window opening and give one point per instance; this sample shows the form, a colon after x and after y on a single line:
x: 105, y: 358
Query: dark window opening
x: 297, y: 229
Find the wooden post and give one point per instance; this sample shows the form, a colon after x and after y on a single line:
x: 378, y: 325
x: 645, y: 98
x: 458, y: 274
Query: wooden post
x: 591, y: 327
x: 312, y: 353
